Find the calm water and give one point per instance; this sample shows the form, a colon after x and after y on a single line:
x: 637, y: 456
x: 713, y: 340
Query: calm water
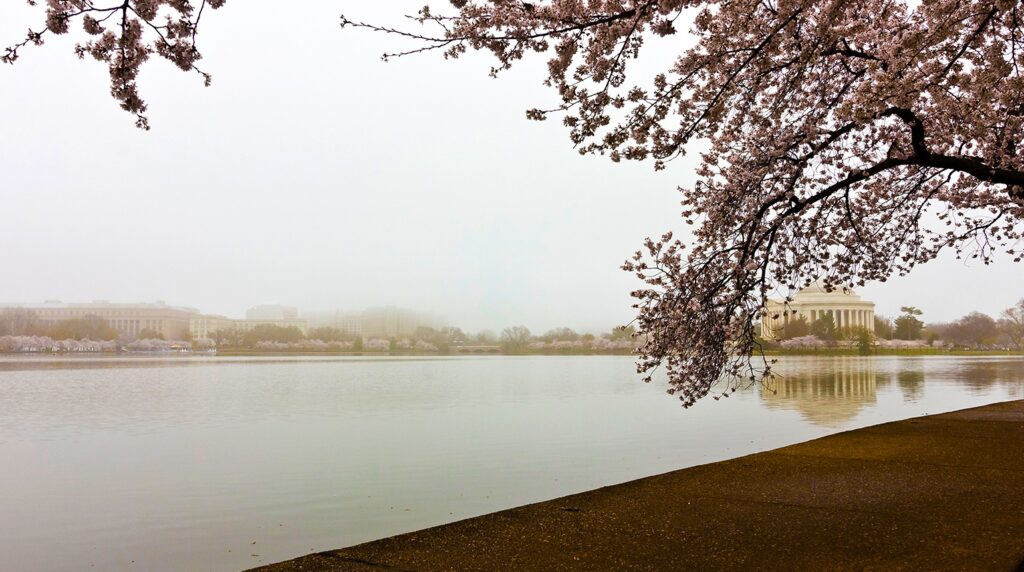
x: 224, y: 464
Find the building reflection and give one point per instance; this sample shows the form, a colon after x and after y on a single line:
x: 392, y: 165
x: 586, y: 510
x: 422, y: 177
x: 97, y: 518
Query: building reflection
x: 829, y: 396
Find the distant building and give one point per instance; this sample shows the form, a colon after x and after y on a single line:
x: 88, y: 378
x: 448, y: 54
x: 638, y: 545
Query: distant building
x: 171, y: 322
x: 272, y: 312
x: 846, y: 308
x: 203, y: 327
x: 391, y: 322
x: 246, y: 325
x: 381, y: 322
x: 351, y: 324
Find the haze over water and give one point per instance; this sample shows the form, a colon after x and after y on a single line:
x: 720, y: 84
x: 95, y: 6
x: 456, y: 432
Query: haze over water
x: 229, y: 463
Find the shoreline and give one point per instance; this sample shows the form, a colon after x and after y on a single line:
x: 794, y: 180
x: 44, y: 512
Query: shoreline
x: 939, y: 492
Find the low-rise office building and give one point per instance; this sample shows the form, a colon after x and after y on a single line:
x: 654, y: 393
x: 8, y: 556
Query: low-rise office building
x: 204, y: 326
x: 171, y: 322
x: 149, y: 319
x: 272, y: 312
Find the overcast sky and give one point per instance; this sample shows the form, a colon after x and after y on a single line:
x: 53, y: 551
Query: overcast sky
x: 315, y: 175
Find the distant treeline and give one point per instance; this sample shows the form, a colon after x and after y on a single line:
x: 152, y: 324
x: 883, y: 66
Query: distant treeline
x: 20, y: 330
x: 517, y: 340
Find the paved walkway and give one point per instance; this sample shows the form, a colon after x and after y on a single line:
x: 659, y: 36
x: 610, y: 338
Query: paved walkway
x: 943, y: 492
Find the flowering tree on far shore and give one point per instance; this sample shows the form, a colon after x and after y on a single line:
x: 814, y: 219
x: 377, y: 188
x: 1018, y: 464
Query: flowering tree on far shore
x: 846, y: 140
x: 40, y: 344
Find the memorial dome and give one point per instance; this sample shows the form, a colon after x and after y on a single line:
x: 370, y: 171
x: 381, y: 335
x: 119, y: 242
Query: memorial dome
x: 849, y: 311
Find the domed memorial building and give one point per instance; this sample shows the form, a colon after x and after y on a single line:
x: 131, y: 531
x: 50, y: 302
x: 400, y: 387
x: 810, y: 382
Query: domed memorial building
x: 847, y: 309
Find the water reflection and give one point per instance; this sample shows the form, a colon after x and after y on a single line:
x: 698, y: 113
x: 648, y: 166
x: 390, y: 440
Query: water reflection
x: 979, y: 375
x: 831, y: 392
x: 830, y: 396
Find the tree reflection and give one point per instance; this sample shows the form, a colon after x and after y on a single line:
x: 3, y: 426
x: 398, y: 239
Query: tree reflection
x: 911, y: 383
x: 980, y: 375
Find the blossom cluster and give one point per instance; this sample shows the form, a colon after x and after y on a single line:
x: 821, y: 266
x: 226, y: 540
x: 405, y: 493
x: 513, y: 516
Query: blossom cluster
x: 590, y: 345
x: 376, y: 345
x: 903, y: 344
x: 124, y: 36
x: 32, y: 344
x: 156, y: 345
x: 312, y: 345
x: 810, y: 341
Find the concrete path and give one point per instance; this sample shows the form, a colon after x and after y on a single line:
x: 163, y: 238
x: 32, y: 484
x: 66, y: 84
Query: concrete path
x: 943, y: 492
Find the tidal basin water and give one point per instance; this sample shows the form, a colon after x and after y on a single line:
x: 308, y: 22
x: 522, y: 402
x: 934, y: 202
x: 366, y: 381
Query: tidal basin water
x: 228, y: 463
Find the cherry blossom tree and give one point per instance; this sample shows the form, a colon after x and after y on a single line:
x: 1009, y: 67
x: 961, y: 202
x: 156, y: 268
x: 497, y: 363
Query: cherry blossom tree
x: 377, y: 345
x: 841, y: 140
x: 123, y: 35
